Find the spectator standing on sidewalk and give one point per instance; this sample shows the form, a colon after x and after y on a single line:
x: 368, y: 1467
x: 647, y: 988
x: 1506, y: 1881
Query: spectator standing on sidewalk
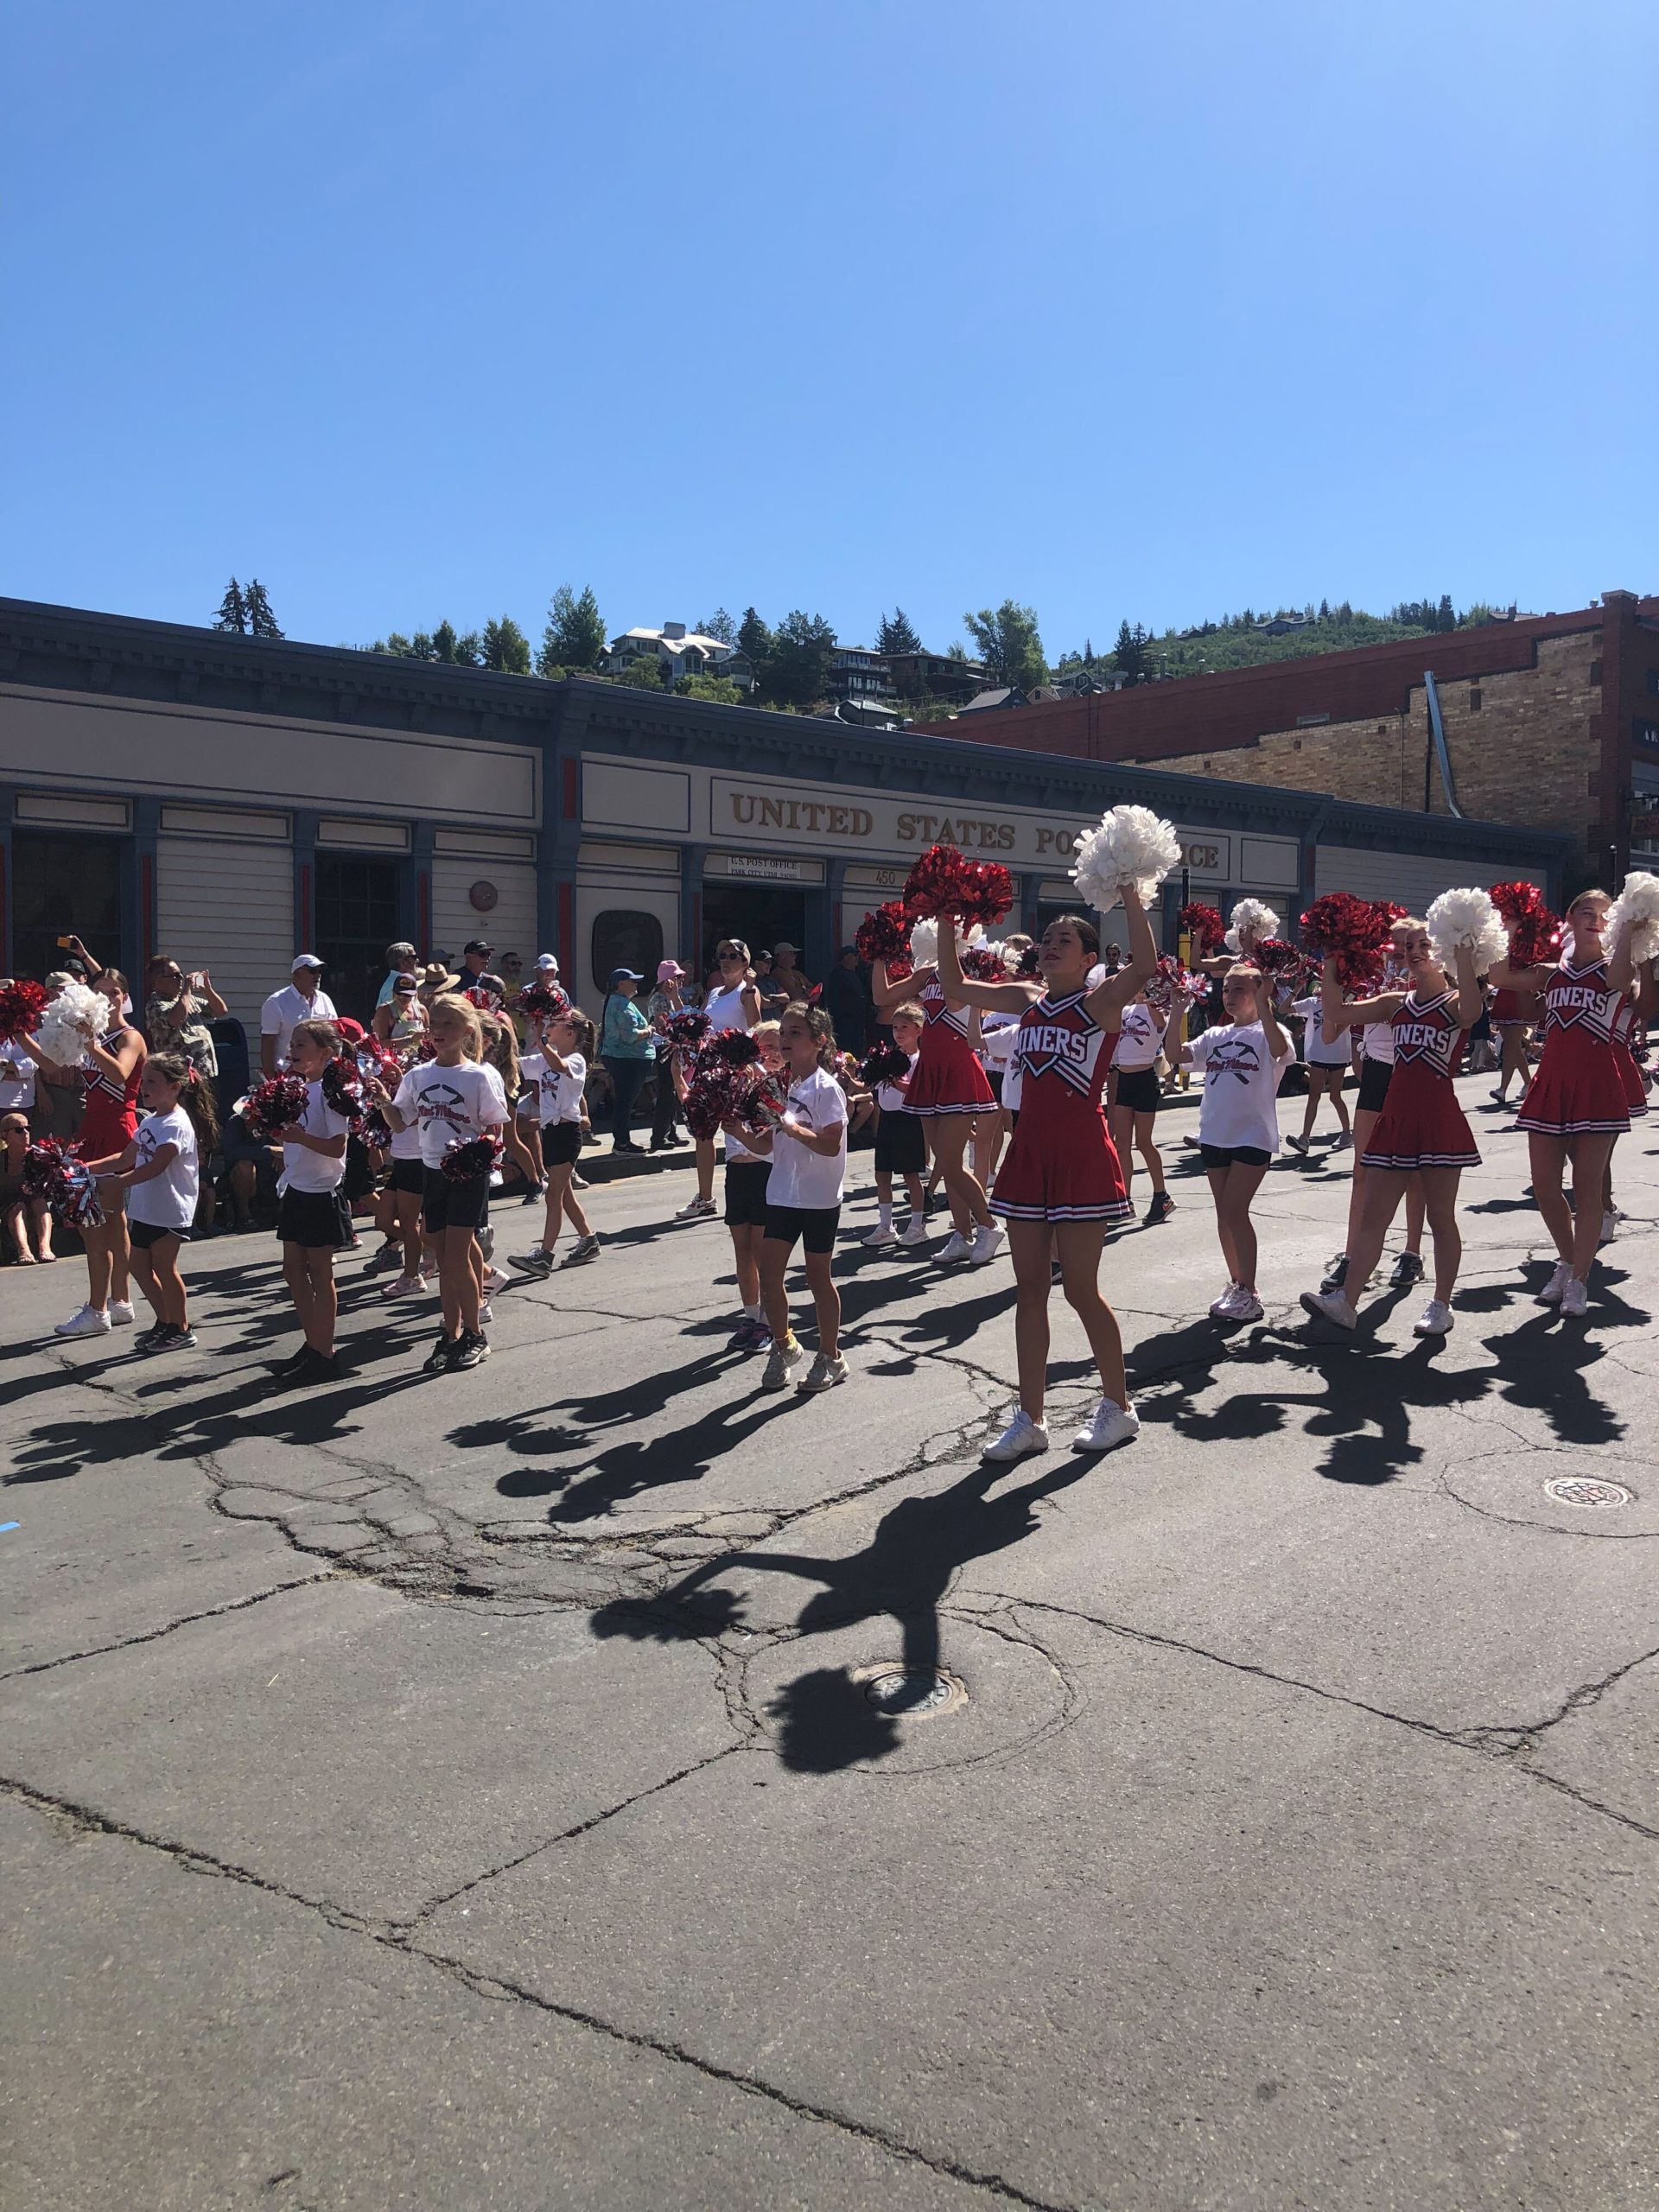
x: 626, y: 1047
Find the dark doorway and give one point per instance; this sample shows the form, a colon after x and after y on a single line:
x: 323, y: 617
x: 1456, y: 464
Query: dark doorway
x: 760, y: 914
x: 357, y: 919
x: 64, y: 886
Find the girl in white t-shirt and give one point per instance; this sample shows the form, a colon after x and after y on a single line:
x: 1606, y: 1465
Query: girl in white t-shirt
x: 808, y: 1151
x: 1327, y: 1071
x: 558, y: 1070
x: 453, y: 1099
x: 1135, y: 1094
x: 1242, y: 1062
x: 900, y: 1140
x: 313, y: 1221
x: 746, y: 1177
x: 405, y: 1188
x: 159, y: 1177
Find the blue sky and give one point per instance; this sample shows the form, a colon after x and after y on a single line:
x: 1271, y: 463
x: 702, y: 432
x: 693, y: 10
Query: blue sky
x: 421, y: 309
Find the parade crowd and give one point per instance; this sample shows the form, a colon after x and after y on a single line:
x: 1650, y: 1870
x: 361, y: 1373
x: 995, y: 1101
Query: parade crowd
x: 1022, y: 1079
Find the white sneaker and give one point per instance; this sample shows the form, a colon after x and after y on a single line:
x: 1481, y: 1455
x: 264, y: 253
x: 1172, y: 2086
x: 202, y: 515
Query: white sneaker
x: 824, y: 1374
x: 1608, y: 1228
x: 883, y: 1233
x: 1330, y: 1305
x: 89, y: 1322
x: 483, y: 1313
x: 914, y: 1231
x: 405, y: 1287
x: 696, y: 1210
x: 1245, y: 1306
x: 956, y: 1246
x: 1575, y: 1298
x: 1108, y: 1425
x: 985, y: 1245
x: 120, y: 1313
x: 1221, y: 1309
x: 494, y: 1281
x: 1434, y: 1320
x: 1019, y: 1440
x: 781, y: 1362
x: 1551, y: 1292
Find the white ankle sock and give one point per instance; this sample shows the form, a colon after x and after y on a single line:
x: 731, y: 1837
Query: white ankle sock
x: 884, y: 1213
x: 751, y: 1313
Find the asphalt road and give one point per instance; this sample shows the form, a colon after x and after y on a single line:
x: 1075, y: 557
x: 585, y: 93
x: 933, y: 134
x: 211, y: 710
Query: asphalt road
x: 465, y: 1792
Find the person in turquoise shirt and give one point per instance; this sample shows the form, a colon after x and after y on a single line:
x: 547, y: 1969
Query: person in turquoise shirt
x: 627, y: 1046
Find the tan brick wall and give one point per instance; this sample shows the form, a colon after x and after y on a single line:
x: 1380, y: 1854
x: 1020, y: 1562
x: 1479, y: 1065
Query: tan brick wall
x: 1527, y: 754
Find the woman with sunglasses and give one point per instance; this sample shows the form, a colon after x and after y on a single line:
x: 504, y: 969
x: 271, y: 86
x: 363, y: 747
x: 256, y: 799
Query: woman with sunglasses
x: 733, y: 1002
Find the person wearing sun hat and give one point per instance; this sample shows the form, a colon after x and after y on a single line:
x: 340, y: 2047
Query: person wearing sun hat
x: 668, y: 999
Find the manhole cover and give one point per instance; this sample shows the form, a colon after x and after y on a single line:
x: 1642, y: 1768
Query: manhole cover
x: 1586, y: 1491
x: 898, y: 1690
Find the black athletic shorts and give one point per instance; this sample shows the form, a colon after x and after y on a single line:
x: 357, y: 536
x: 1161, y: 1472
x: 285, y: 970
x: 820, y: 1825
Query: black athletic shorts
x: 561, y: 1143
x: 1139, y: 1090
x: 314, y: 1220
x: 1373, y: 1084
x: 1223, y: 1155
x: 359, y: 1179
x: 746, y: 1193
x: 142, y: 1234
x: 448, y: 1203
x: 814, y: 1226
x: 408, y: 1175
x: 900, y: 1144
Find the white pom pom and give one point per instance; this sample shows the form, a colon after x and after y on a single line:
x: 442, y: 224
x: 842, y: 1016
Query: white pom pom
x: 1254, y: 915
x: 1637, y: 903
x: 1229, y: 940
x: 1132, y: 845
x: 924, y: 943
x: 76, y: 1016
x: 1468, y: 918
x: 1096, y: 977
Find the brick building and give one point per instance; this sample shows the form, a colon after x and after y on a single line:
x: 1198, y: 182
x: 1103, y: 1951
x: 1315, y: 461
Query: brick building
x: 1550, y: 721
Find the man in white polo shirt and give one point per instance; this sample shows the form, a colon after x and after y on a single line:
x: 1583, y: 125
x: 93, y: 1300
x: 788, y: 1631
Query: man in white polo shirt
x: 301, y: 1001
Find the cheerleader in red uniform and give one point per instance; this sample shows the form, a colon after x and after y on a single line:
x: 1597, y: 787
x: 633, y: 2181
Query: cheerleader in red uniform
x: 1513, y: 1012
x: 1636, y: 1097
x: 1577, y: 1103
x: 111, y: 1068
x: 948, y: 1089
x: 1420, y: 1129
x: 1061, y: 1182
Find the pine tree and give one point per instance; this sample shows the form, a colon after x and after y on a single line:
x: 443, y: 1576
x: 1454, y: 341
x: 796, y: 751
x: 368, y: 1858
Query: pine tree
x: 1325, y: 610
x: 468, y: 650
x: 897, y: 634
x: 443, y: 641
x: 262, y: 623
x: 233, y: 613
x: 719, y: 625
x: 800, y: 652
x: 1130, y: 653
x: 575, y: 637
x: 507, y: 649
x: 753, y: 638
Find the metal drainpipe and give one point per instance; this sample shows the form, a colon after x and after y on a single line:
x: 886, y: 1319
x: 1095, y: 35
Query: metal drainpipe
x: 1441, y: 753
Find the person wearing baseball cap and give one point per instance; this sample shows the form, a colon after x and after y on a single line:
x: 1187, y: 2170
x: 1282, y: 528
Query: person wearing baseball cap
x: 476, y: 973
x: 302, y: 1000
x: 628, y: 1051
x: 667, y: 1000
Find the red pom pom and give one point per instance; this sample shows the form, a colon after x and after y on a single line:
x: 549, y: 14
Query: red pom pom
x: 56, y: 1172
x: 275, y: 1104
x: 342, y: 1089
x: 541, y: 1002
x: 944, y: 881
x: 982, y: 965
x: 462, y: 1162
x: 1204, y: 925
x: 1354, y: 933
x: 883, y: 935
x: 729, y: 1048
x: 757, y: 1100
x: 711, y: 1093
x: 22, y: 1006
x: 685, y: 1031
x: 884, y: 1063
x: 1535, y: 928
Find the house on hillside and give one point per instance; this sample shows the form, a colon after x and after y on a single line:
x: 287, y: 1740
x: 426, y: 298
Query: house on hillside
x: 1009, y: 694
x: 680, y: 651
x: 855, y: 673
x: 935, y: 675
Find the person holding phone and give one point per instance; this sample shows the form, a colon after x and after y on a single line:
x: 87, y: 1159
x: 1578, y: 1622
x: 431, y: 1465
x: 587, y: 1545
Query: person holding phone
x: 177, y: 1010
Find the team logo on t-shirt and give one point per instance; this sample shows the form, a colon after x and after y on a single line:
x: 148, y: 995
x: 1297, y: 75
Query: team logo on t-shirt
x: 442, y: 1101
x: 1237, y: 1057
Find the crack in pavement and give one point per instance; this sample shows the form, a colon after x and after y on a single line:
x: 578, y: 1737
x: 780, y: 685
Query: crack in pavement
x: 395, y: 1938
x: 153, y: 1634
x: 1505, y: 1746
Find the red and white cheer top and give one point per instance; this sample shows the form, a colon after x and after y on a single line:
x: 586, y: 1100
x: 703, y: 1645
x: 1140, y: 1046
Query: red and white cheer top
x: 949, y: 1079
x: 1421, y: 1124
x: 1578, y: 1089
x: 1062, y: 1163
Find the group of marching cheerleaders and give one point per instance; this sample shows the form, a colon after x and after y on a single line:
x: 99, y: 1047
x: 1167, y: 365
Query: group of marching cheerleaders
x: 1046, y: 1014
